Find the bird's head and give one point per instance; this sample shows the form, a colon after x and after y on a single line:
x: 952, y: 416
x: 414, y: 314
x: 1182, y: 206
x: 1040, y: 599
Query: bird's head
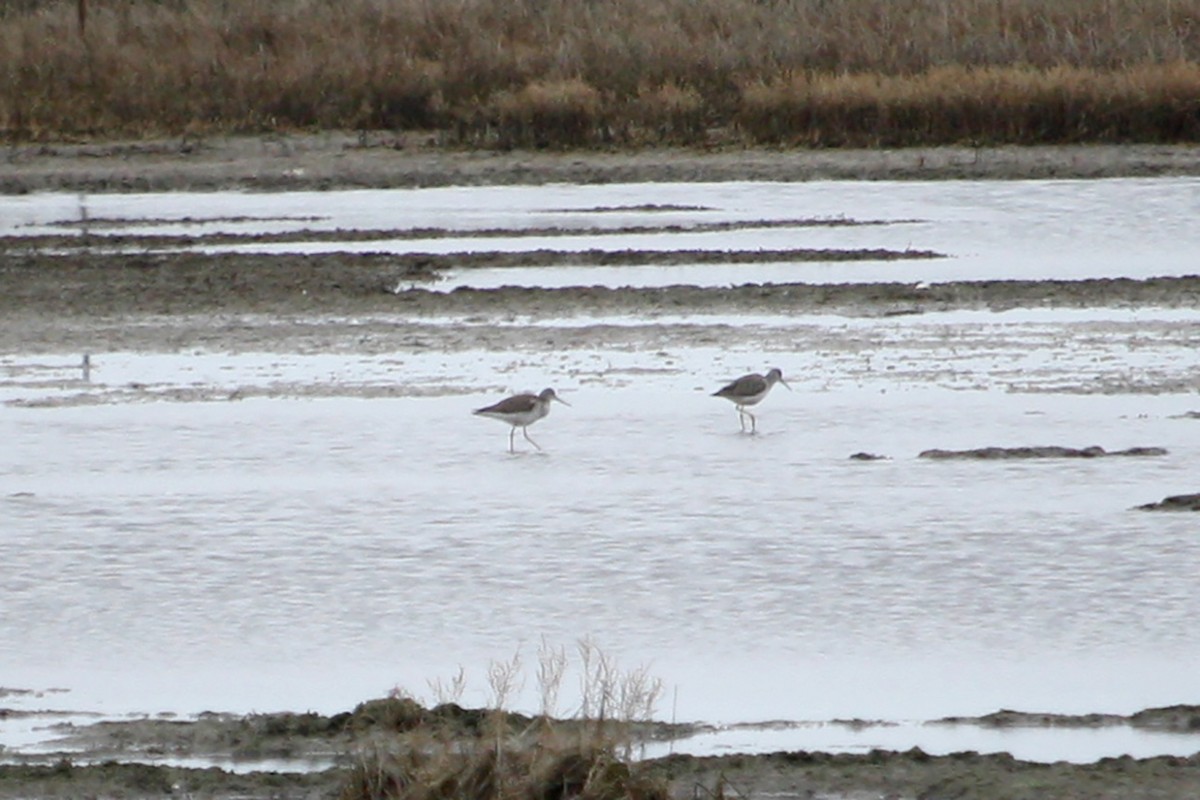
x: 776, y: 376
x: 548, y: 394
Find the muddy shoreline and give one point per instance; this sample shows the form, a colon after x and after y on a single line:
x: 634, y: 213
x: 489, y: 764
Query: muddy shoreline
x: 784, y: 776
x: 69, y: 294
x: 342, y: 160
x: 125, y: 759
x: 95, y: 302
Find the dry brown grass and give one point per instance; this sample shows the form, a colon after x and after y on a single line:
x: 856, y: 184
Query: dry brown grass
x: 978, y: 104
x: 583, y: 73
x: 449, y: 753
x: 482, y: 771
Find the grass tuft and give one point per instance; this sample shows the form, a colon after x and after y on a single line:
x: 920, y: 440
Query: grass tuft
x: 493, y: 754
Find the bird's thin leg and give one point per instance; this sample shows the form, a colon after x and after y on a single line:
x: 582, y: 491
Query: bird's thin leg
x: 741, y: 418
x: 512, y: 432
x: 753, y: 422
x: 531, y: 441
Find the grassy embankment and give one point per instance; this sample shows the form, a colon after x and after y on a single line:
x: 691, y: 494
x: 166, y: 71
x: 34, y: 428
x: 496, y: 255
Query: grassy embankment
x: 572, y: 73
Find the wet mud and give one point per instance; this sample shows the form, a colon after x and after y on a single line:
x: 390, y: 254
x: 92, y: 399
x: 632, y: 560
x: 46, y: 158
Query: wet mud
x: 1178, y: 502
x: 1053, y: 451
x: 91, y: 232
x: 114, y: 779
x: 90, y: 302
x: 1172, y: 719
x: 124, y: 759
x: 785, y: 776
x: 335, y: 160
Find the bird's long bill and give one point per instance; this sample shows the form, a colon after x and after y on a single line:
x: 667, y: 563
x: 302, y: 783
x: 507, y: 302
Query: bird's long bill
x: 559, y: 399
x: 785, y: 383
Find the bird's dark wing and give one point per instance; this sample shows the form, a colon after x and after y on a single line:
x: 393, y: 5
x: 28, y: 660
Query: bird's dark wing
x: 745, y: 386
x: 517, y: 404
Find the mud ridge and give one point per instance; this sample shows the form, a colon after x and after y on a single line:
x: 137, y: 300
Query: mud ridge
x: 998, y: 453
x: 116, y: 759
x: 1172, y: 719
x: 339, y: 160
x: 90, y: 232
x: 1179, y: 502
x: 136, y: 285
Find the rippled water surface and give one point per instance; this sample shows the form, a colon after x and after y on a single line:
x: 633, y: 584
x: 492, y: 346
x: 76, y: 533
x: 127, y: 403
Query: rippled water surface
x: 310, y: 552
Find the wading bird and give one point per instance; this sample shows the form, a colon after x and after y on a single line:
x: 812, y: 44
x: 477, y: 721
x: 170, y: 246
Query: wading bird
x: 521, y: 411
x: 749, y: 390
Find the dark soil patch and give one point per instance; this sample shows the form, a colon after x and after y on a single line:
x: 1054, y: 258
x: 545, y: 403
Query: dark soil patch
x: 128, y: 780
x: 1174, y: 719
x: 779, y: 776
x: 1179, y: 502
x: 90, y: 233
x: 915, y: 774
x: 133, y: 285
x: 333, y: 160
x: 399, y: 731
x: 999, y: 453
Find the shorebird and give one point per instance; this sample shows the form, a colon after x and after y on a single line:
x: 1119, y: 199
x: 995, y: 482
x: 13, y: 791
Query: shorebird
x: 521, y: 411
x: 749, y: 390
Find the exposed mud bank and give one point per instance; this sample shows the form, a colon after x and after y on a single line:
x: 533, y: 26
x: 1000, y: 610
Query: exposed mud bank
x: 347, y: 160
x: 113, y: 759
x: 93, y: 284
x: 92, y: 302
x: 1053, y: 451
x: 91, y: 232
x: 915, y: 774
x: 1178, y: 502
x: 1177, y: 719
x: 305, y: 736
x: 780, y: 776
x: 131, y: 780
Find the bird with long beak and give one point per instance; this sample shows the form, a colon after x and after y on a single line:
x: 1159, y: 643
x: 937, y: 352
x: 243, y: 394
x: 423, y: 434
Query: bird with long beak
x: 749, y: 390
x: 521, y: 411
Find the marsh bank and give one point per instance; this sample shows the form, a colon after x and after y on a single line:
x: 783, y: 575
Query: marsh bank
x: 117, y: 759
x: 349, y: 160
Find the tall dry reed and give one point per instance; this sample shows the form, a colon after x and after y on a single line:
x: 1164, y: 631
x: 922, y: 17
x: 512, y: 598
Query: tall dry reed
x: 983, y: 105
x: 449, y: 753
x: 584, y: 72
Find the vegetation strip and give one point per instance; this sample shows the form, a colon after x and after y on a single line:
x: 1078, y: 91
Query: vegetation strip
x: 525, y: 73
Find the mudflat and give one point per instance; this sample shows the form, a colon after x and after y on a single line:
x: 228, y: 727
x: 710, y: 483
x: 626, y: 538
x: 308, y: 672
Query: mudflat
x: 336, y: 160
x: 89, y: 300
x: 124, y: 759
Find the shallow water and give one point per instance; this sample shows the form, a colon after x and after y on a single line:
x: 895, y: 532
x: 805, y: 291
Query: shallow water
x: 989, y: 229
x: 1043, y: 745
x: 306, y: 554
x: 320, y: 545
